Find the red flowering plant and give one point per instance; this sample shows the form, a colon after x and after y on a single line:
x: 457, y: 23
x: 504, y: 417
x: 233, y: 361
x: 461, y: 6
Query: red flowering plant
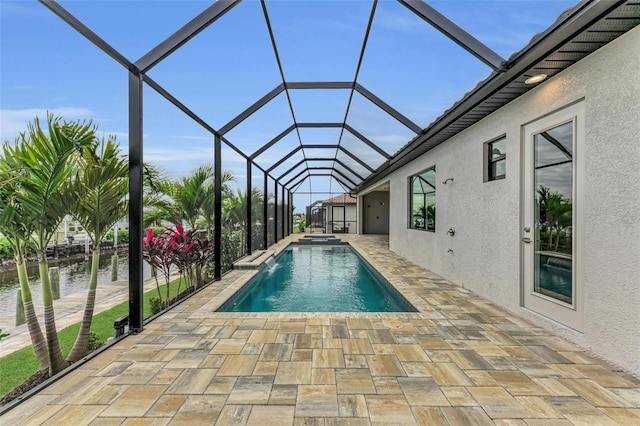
x: 190, y: 255
x: 180, y: 244
x: 179, y: 248
x: 157, y: 253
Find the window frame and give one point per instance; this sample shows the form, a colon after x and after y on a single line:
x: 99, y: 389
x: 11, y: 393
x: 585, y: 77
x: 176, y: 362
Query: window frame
x: 410, y: 194
x: 489, y: 161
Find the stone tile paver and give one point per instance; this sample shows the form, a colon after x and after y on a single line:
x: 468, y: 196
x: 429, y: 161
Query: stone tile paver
x: 317, y: 401
x: 460, y: 360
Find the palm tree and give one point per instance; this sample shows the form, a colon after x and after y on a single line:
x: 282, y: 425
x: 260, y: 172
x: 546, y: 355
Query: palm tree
x: 561, y: 217
x: 188, y: 199
x: 102, y: 186
x: 45, y: 170
x: 544, y: 197
x: 208, y: 205
x: 17, y: 230
x: 234, y: 211
x: 182, y: 199
x: 234, y: 216
x: 554, y: 213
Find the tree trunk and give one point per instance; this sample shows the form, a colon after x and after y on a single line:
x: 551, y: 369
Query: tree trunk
x: 56, y: 360
x: 80, y: 346
x: 197, y: 275
x: 35, y: 332
x: 154, y: 271
x: 167, y: 288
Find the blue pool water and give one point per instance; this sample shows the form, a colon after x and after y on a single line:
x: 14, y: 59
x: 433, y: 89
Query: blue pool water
x: 318, y: 279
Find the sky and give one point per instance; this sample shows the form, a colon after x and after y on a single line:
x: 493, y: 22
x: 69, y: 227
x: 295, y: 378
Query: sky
x: 45, y: 65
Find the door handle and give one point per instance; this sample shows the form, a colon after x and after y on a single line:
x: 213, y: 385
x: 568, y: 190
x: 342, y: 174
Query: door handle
x: 526, y: 240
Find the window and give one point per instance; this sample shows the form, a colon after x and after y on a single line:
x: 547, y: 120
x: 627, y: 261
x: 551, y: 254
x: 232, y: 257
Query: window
x: 422, y: 200
x: 496, y: 155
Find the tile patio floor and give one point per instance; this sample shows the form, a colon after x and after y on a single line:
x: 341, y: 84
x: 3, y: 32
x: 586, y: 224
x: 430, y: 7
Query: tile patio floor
x: 460, y: 361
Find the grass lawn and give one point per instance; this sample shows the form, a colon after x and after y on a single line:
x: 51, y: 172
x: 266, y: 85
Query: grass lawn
x: 20, y: 365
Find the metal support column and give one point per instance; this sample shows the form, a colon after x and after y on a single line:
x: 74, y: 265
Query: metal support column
x: 217, y: 219
x: 284, y: 213
x: 265, y: 211
x: 286, y: 222
x: 275, y: 213
x: 249, y: 208
x: 136, y: 281
x: 290, y: 213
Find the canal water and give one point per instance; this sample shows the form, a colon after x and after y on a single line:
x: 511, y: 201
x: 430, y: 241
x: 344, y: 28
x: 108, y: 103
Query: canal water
x: 74, y: 277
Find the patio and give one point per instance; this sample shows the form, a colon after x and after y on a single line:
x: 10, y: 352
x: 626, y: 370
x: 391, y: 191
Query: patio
x: 460, y: 360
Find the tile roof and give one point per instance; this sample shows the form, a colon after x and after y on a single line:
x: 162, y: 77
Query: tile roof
x: 341, y: 199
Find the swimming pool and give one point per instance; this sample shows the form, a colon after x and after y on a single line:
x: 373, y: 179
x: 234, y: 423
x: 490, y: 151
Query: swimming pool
x: 318, y: 279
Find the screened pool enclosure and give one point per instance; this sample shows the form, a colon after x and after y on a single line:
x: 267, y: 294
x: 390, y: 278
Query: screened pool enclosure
x: 339, y: 93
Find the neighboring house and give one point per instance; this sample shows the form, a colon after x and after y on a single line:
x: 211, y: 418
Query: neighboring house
x: 337, y: 215
x: 537, y: 200
x: 72, y: 228
x: 341, y: 214
x: 315, y: 217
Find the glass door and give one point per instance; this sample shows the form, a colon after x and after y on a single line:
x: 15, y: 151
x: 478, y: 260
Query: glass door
x: 338, y: 220
x: 551, y: 206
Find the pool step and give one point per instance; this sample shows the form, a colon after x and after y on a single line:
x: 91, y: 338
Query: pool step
x: 320, y: 239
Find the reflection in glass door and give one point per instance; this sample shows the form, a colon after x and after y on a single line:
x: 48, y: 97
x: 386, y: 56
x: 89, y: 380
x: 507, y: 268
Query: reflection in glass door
x: 551, y: 208
x: 553, y: 183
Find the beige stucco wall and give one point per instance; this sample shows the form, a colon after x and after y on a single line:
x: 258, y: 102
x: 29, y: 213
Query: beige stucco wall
x: 350, y: 214
x: 486, y: 249
x: 375, y: 212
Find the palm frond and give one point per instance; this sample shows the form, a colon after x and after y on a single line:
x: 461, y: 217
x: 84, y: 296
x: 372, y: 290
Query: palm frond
x: 101, y: 188
x: 45, y: 169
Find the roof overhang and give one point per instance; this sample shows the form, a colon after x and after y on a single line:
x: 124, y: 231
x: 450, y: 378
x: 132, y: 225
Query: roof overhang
x: 578, y: 32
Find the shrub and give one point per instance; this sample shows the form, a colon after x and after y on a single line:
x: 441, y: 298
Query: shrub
x: 156, y: 304
x: 94, y: 342
x: 300, y: 226
x: 232, y: 249
x: 6, y: 251
x: 123, y: 236
x: 257, y: 236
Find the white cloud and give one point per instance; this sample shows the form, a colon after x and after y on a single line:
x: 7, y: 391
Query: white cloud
x: 121, y: 137
x: 396, y: 22
x: 14, y: 121
x: 389, y: 143
x: 196, y: 154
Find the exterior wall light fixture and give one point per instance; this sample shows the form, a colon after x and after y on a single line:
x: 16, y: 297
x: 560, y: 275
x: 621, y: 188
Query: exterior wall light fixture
x: 535, y: 79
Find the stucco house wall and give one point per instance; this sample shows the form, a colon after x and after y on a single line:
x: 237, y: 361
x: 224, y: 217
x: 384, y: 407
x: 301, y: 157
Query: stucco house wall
x: 375, y: 212
x: 485, y: 254
x: 350, y: 214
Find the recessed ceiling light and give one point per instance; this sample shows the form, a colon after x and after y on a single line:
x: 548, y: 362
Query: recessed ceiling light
x: 534, y: 79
